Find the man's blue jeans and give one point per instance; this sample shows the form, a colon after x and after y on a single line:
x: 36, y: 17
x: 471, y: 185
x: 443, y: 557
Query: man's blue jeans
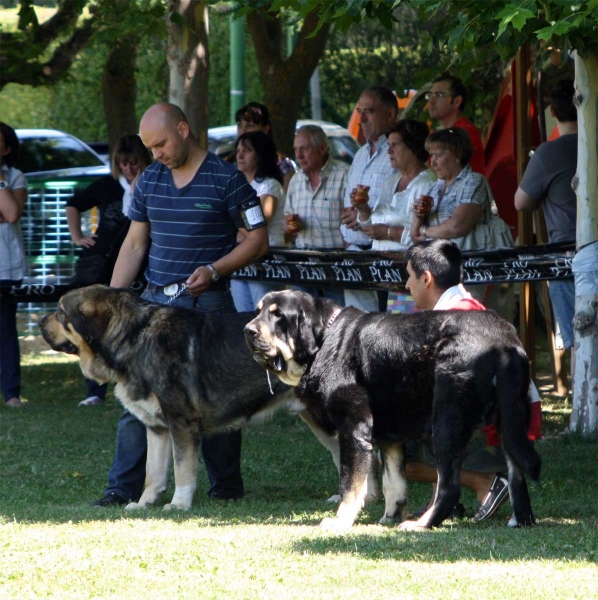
x: 221, y: 453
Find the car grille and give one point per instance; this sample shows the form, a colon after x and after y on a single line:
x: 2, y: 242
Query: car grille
x: 50, y: 253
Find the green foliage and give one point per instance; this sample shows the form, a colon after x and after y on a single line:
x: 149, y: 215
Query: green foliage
x: 505, y: 25
x: 219, y: 84
x: 54, y: 106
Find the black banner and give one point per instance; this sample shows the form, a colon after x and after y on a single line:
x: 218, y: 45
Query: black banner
x: 368, y: 270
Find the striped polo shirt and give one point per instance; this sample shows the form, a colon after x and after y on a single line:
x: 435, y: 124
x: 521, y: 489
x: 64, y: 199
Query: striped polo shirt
x: 194, y: 225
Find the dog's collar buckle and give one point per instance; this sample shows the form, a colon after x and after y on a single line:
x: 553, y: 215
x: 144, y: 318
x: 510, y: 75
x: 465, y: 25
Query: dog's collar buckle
x: 333, y: 317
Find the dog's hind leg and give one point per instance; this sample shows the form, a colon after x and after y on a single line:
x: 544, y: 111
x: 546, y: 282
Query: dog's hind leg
x: 331, y: 444
x: 519, y: 496
x: 185, y: 444
x: 394, y: 481
x: 159, y: 459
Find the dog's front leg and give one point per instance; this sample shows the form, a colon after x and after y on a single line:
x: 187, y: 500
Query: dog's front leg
x: 186, y: 447
x: 355, y: 457
x: 331, y: 444
x: 159, y: 459
x: 394, y: 481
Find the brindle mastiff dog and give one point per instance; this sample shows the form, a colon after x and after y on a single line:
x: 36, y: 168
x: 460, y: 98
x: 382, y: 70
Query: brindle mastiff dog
x: 182, y: 373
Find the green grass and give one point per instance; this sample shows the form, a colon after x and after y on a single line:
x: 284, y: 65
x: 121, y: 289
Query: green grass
x: 55, y: 459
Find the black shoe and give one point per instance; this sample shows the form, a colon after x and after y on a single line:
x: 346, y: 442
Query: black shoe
x: 225, y: 496
x: 109, y: 500
x: 497, y: 496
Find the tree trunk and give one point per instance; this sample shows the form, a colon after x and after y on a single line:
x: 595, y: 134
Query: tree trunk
x: 188, y: 57
x: 119, y: 90
x: 285, y: 80
x: 584, y: 416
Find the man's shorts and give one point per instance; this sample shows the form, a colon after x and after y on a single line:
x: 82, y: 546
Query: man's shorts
x: 478, y: 456
x: 562, y: 296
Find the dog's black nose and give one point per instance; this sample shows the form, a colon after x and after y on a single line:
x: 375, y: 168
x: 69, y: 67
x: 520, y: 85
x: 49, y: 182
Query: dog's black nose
x: 250, y: 330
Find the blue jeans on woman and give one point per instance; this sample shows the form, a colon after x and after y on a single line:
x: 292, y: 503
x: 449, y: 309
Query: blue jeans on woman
x: 10, y: 355
x: 221, y: 453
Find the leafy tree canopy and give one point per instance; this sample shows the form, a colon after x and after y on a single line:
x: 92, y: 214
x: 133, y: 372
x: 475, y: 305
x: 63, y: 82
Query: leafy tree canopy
x: 504, y: 25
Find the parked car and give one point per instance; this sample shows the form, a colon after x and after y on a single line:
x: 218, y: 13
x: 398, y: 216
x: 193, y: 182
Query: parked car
x: 56, y: 165
x: 343, y: 146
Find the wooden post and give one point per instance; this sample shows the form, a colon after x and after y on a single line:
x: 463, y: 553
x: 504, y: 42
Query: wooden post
x: 523, y: 146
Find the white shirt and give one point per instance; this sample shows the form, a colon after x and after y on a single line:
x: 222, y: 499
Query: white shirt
x: 270, y: 187
x: 367, y: 169
x: 452, y: 296
x: 12, y: 253
x: 398, y: 211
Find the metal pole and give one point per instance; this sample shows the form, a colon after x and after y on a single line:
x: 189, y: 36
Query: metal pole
x: 237, y: 65
x: 316, y: 98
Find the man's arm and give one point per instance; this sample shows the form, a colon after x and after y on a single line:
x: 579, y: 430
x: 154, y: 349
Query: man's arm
x: 250, y: 249
x: 131, y: 255
x: 523, y: 201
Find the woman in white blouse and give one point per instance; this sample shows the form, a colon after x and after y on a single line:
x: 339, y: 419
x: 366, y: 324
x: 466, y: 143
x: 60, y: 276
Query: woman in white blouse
x: 13, y: 195
x: 389, y: 224
x: 257, y: 159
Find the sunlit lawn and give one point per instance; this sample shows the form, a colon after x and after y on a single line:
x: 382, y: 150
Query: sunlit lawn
x: 55, y: 459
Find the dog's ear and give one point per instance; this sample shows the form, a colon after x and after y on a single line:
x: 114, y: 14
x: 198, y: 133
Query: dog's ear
x: 310, y: 331
x: 88, y: 314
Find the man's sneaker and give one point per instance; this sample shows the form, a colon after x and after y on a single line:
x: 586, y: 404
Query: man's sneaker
x: 92, y: 401
x: 497, y: 496
x: 14, y: 403
x: 109, y: 500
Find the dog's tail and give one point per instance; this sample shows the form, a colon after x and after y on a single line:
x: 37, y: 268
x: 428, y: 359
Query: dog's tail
x: 514, y: 411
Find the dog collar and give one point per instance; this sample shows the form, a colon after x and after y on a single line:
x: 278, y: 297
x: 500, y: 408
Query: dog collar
x: 332, y: 319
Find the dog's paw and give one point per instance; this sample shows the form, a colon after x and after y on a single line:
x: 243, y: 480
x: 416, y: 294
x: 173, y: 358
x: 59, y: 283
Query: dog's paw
x: 135, y: 506
x: 412, y: 526
x: 390, y: 519
x: 334, y: 499
x: 173, y: 506
x: 335, y: 526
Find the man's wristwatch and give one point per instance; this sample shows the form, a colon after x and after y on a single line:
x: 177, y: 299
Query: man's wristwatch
x: 3, y: 185
x: 215, y: 274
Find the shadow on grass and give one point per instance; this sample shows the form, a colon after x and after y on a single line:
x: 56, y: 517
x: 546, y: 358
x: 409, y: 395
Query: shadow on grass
x: 550, y: 539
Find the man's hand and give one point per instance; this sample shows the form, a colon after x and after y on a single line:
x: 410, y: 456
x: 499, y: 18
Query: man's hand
x: 349, y: 218
x: 199, y: 281
x: 377, y: 232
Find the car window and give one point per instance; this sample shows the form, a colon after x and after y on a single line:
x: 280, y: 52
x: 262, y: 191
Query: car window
x: 343, y: 148
x: 51, y: 153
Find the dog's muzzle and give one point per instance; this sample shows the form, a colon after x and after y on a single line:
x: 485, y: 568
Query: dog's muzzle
x: 262, y: 352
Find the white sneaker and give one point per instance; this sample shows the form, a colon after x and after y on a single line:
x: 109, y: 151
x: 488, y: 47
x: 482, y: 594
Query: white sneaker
x: 91, y: 401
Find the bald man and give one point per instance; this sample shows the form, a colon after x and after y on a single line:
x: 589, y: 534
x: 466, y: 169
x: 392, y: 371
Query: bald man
x: 186, y: 212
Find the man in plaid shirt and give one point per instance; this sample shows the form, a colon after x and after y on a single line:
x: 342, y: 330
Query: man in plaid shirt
x: 316, y: 194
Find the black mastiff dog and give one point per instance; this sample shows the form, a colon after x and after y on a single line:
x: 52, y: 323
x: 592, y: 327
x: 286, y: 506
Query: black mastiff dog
x: 182, y: 373
x: 377, y: 378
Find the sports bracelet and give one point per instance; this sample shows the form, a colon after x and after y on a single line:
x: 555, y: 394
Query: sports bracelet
x: 424, y: 229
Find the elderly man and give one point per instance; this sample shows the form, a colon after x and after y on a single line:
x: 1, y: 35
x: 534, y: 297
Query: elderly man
x: 446, y: 101
x: 316, y: 195
x: 377, y: 109
x: 186, y: 211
